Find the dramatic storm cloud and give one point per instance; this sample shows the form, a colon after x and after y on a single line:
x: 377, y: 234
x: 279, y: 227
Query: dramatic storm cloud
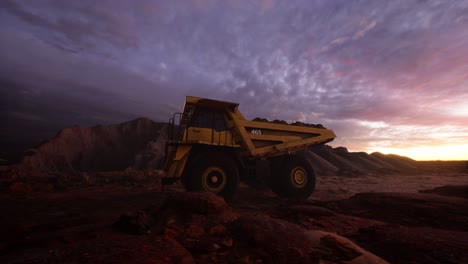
x: 387, y: 76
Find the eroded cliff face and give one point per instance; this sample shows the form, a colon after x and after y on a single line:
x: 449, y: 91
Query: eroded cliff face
x: 138, y: 143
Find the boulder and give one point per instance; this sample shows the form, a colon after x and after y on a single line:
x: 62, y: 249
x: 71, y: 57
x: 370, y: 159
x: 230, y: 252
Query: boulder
x: 338, y: 249
x: 134, y: 223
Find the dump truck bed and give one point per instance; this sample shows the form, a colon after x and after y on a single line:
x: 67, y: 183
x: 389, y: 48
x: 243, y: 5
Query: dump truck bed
x: 265, y: 139
x: 254, y: 138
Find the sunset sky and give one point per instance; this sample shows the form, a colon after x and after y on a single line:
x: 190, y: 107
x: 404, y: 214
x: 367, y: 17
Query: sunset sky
x: 388, y: 76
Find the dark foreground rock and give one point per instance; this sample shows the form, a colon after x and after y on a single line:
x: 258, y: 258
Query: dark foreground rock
x: 422, y: 228
x: 407, y: 209
x: 415, y: 244
x: 449, y: 190
x: 214, y: 233
x: 93, y: 225
x: 134, y: 223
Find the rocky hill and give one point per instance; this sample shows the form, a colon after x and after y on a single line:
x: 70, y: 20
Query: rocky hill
x: 138, y: 143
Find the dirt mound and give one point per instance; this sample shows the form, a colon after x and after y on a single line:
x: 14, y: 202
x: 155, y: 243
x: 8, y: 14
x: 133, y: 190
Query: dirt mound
x: 360, y: 160
x: 396, y: 160
x: 329, y: 154
x: 320, y: 165
x: 408, y: 209
x: 137, y: 143
x: 358, y: 163
x: 282, y: 122
x: 380, y: 163
x: 449, y: 190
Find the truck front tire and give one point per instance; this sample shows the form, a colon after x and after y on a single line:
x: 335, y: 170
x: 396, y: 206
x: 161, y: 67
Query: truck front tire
x: 294, y: 177
x: 213, y: 172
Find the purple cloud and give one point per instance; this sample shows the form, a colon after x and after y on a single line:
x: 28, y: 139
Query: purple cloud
x: 378, y: 72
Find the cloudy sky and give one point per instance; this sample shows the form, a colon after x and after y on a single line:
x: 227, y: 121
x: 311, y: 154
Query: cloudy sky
x: 389, y: 76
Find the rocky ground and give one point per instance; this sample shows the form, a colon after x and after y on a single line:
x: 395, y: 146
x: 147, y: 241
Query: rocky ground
x: 125, y: 217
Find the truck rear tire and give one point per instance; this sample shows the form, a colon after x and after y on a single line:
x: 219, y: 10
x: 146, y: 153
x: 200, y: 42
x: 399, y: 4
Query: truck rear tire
x: 213, y: 172
x: 294, y: 177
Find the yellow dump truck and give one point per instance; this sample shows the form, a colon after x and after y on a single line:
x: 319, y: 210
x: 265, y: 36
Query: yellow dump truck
x: 213, y: 147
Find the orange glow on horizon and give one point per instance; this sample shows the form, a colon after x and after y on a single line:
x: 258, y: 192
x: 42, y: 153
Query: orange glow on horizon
x: 445, y: 152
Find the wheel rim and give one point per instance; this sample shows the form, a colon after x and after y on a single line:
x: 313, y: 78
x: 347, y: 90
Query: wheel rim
x: 214, y: 179
x: 299, y: 177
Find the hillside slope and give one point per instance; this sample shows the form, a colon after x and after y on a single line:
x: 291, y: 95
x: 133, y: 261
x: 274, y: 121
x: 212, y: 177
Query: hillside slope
x: 137, y: 143
x: 329, y: 161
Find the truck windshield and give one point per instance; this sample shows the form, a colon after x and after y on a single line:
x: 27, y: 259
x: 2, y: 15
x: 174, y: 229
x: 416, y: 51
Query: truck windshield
x: 205, y: 118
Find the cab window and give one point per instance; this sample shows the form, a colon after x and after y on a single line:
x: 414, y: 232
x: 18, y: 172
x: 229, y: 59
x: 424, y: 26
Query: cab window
x: 205, y: 118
